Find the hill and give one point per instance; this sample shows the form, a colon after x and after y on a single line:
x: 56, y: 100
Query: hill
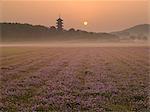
x: 16, y: 32
x: 141, y: 31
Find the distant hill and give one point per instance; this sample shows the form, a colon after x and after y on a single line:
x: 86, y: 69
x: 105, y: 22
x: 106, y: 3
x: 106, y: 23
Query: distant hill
x: 20, y: 32
x: 137, y: 32
x: 14, y: 32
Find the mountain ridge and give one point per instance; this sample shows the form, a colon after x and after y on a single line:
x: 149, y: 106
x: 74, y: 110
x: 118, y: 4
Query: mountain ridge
x: 138, y: 31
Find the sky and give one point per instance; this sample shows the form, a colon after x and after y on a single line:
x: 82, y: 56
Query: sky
x: 101, y: 15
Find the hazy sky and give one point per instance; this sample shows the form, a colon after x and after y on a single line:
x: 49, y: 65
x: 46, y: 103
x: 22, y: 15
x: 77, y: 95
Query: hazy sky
x: 101, y: 15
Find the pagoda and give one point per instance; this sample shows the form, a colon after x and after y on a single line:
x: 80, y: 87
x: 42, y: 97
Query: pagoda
x: 59, y: 24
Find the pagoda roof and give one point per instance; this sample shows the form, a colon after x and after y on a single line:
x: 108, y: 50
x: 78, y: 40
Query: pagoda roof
x: 59, y: 19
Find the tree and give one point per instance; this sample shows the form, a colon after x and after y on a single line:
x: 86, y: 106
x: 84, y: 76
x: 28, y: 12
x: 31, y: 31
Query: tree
x: 71, y: 30
x: 53, y: 28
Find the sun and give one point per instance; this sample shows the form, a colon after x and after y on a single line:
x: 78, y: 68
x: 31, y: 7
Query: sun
x: 85, y: 23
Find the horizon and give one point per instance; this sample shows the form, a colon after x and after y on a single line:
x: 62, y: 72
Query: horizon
x: 40, y: 13
x: 76, y: 29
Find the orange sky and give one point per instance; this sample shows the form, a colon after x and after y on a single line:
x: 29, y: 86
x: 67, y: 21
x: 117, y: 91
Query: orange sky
x: 102, y: 15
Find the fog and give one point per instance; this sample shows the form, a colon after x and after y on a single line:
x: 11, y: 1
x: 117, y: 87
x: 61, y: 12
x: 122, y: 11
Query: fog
x: 75, y: 44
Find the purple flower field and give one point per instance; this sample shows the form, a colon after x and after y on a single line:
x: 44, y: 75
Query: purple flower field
x: 77, y: 79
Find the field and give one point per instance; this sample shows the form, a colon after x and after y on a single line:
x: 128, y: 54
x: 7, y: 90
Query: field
x: 66, y: 79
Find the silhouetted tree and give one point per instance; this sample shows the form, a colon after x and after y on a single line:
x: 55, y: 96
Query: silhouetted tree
x: 71, y: 30
x: 53, y: 28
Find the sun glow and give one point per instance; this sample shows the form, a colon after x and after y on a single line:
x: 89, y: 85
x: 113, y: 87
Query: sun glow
x: 85, y: 23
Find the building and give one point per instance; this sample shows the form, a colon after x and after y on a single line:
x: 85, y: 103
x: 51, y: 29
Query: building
x: 59, y: 24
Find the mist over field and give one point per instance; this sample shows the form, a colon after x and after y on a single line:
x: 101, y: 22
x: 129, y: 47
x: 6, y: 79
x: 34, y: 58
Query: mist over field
x: 26, y: 33
x: 43, y: 69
